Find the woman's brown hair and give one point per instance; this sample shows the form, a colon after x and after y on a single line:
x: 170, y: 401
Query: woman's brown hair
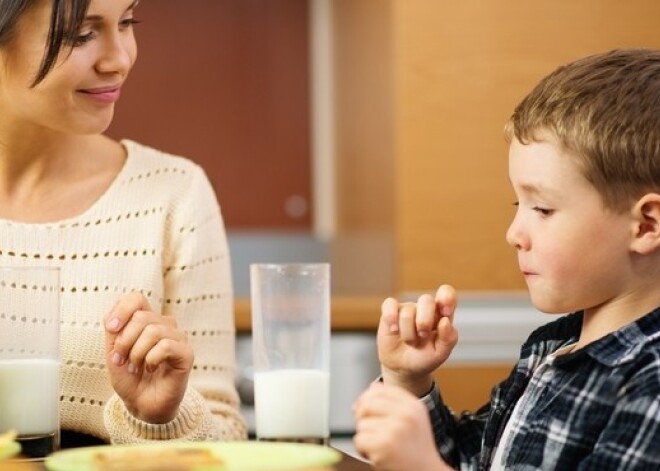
x: 65, y: 22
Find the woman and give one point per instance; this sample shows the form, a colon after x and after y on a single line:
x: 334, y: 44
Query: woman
x: 137, y: 233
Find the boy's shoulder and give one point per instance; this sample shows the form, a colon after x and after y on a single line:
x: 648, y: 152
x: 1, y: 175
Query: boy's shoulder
x: 643, y: 333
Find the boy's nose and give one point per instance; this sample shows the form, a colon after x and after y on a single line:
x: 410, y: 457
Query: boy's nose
x: 514, y: 236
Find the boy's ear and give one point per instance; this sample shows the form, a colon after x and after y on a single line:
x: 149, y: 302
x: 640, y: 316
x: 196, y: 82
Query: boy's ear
x: 646, y: 213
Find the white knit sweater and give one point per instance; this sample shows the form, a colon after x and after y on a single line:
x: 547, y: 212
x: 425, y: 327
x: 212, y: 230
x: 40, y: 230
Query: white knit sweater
x: 158, y: 230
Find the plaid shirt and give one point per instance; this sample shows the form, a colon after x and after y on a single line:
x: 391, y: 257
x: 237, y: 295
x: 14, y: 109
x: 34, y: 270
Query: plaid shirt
x: 597, y: 408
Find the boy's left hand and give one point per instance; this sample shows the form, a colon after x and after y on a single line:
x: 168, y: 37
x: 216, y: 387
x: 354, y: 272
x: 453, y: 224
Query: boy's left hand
x: 149, y: 359
x: 416, y: 338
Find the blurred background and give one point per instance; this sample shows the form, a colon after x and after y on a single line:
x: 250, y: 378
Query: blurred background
x: 367, y: 133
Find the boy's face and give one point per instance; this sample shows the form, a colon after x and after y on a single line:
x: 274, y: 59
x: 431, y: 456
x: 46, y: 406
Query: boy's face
x: 573, y: 253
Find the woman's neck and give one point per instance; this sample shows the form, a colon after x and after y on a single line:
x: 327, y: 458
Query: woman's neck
x: 54, y: 179
x: 35, y: 156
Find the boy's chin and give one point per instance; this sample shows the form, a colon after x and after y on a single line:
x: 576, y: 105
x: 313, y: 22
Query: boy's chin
x: 548, y: 306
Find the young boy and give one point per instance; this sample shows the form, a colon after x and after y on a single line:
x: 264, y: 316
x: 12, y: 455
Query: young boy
x: 584, y: 162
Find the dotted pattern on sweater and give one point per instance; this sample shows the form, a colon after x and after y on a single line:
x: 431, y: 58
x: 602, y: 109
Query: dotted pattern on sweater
x: 157, y: 230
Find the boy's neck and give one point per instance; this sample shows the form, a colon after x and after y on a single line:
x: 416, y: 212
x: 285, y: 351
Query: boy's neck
x: 605, y: 319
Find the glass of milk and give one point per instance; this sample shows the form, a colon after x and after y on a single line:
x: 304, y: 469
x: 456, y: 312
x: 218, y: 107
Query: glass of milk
x: 291, y: 351
x: 30, y: 358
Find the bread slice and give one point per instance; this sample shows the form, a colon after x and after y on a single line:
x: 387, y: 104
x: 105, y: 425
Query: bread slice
x: 156, y: 459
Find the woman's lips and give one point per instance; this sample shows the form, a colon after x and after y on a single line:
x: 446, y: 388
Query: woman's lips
x: 102, y: 94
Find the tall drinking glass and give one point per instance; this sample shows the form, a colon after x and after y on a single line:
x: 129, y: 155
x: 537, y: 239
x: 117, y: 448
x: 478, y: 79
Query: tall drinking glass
x: 291, y: 350
x: 30, y: 358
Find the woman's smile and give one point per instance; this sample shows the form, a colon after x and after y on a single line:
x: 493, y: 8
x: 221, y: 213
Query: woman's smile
x: 106, y: 95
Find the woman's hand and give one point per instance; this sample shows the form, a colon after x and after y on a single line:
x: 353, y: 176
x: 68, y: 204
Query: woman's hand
x: 393, y: 431
x: 416, y: 338
x: 149, y: 359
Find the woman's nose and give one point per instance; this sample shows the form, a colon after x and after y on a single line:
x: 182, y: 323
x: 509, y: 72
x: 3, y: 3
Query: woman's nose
x: 117, y: 56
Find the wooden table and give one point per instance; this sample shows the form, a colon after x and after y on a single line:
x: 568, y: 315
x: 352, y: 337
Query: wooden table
x: 348, y: 463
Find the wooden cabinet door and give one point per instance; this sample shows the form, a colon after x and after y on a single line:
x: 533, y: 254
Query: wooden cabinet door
x: 226, y: 83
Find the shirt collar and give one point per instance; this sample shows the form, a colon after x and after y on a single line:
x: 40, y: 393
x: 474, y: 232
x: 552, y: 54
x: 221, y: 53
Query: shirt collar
x: 626, y: 343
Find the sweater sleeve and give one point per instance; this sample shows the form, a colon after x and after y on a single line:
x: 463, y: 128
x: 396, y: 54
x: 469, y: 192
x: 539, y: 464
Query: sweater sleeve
x: 197, y: 292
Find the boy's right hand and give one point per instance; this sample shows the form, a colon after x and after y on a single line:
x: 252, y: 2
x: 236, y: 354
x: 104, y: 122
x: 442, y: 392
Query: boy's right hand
x: 393, y: 431
x: 416, y: 338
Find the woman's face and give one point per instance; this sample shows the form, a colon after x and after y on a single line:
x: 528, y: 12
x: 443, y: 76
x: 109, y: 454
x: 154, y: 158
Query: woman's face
x: 78, y: 94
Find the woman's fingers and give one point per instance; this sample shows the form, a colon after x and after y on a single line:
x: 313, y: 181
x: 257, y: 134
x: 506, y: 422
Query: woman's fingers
x: 177, y: 354
x: 115, y: 320
x: 154, y: 337
x: 140, y: 335
x: 121, y: 313
x: 122, y: 342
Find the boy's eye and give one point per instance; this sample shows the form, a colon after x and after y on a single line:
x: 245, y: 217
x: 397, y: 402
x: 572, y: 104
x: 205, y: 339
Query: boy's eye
x: 543, y: 211
x: 538, y: 209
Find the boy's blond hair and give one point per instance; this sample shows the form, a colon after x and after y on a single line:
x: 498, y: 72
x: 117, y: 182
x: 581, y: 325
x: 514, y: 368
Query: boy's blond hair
x: 604, y: 110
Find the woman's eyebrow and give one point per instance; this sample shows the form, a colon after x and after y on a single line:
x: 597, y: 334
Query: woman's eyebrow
x: 99, y: 17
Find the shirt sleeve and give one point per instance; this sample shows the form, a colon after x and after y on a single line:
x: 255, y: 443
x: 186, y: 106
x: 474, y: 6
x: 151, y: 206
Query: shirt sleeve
x: 458, y: 438
x: 198, y: 294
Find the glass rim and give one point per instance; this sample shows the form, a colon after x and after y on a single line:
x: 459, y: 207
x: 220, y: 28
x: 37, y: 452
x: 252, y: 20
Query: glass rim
x: 290, y: 264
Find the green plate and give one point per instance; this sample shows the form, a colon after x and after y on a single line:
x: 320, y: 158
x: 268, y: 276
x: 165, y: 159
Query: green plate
x: 9, y: 449
x: 236, y: 456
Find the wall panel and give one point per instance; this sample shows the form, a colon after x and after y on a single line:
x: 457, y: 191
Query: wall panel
x: 461, y: 67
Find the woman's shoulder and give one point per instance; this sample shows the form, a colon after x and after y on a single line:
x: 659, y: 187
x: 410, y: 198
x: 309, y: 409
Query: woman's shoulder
x: 154, y: 176
x: 145, y: 160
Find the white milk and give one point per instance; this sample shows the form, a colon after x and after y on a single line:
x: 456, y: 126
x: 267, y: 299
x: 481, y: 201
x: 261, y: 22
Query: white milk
x: 292, y: 403
x: 29, y: 396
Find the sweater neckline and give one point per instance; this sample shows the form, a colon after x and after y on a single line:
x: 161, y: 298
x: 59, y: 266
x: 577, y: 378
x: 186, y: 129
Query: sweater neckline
x: 99, y: 203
